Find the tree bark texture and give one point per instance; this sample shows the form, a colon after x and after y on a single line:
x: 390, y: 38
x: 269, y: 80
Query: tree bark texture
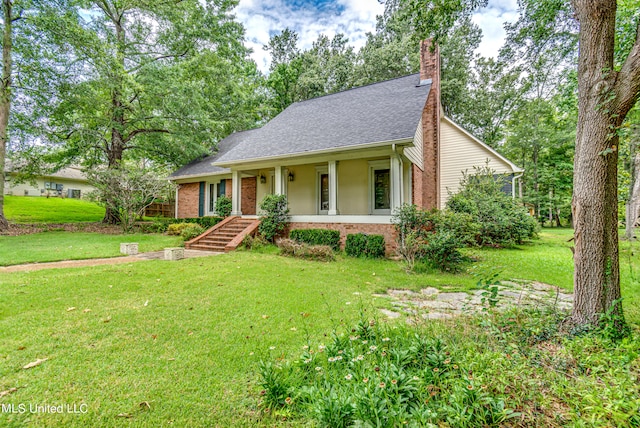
x: 604, y: 98
x: 5, y: 101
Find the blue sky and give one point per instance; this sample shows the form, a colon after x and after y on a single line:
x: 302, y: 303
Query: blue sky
x: 354, y: 18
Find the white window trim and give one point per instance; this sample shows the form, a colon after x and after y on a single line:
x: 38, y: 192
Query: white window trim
x: 207, y: 195
x: 373, y: 166
x: 319, y: 171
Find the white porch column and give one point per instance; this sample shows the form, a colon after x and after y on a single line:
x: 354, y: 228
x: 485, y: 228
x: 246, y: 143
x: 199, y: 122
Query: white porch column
x: 333, y: 188
x: 396, y: 182
x: 236, y: 193
x: 278, y: 187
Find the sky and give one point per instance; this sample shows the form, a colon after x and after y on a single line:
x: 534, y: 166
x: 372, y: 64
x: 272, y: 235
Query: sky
x: 354, y: 18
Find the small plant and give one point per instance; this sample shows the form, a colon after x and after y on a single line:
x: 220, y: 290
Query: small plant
x: 223, y: 206
x: 317, y: 237
x: 276, y: 217
x: 490, y: 286
x: 363, y: 245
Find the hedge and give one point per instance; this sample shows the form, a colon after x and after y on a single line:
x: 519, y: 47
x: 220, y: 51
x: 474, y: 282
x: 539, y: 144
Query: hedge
x: 317, y: 237
x: 363, y: 245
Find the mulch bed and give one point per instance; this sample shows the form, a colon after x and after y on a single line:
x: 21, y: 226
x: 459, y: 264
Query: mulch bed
x: 26, y: 229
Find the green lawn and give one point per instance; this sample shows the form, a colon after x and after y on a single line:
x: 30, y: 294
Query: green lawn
x: 55, y: 246
x: 26, y: 209
x: 186, y: 337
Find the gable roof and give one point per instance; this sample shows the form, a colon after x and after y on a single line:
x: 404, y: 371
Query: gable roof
x: 205, y: 166
x: 381, y: 112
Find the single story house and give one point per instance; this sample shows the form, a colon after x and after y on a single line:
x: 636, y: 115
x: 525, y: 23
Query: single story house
x: 347, y: 160
x: 70, y: 182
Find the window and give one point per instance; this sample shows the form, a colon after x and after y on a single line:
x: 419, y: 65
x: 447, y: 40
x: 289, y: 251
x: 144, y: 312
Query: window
x: 324, y: 192
x: 212, y: 197
x: 380, y: 187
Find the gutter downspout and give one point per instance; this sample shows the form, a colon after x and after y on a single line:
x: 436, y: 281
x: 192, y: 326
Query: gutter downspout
x: 176, y: 207
x: 513, y: 184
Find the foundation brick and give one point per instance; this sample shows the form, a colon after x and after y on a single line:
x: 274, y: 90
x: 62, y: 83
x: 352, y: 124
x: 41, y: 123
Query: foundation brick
x: 386, y: 230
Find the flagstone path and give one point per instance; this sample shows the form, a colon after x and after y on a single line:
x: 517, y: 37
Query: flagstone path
x: 431, y: 303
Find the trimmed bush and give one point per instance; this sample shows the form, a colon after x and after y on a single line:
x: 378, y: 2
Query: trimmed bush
x: 276, y: 217
x: 223, y: 206
x: 205, y: 222
x: 327, y: 237
x: 191, y: 231
x: 289, y: 247
x: 177, y: 228
x: 363, y: 245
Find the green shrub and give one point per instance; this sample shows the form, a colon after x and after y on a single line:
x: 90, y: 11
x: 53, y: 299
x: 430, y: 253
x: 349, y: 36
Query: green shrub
x: 433, y: 237
x: 501, y: 219
x: 205, y: 222
x: 191, y: 231
x: 223, y: 206
x: 158, y: 225
x: 363, y: 245
x: 276, y: 217
x: 177, y: 228
x: 289, y: 247
x: 317, y: 237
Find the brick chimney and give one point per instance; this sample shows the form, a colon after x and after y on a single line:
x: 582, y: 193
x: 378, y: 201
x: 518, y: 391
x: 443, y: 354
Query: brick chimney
x: 426, y: 184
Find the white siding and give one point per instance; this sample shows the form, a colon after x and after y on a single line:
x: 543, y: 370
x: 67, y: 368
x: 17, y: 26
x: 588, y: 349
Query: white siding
x: 38, y: 188
x: 415, y: 153
x: 460, y: 152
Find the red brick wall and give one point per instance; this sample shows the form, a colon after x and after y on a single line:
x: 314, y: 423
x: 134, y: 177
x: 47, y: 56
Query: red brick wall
x: 188, y: 199
x: 386, y: 230
x: 427, y: 186
x: 248, y: 203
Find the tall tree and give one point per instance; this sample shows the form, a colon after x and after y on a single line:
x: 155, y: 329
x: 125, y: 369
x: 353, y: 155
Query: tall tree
x: 5, y: 98
x: 605, y: 97
x: 157, y: 80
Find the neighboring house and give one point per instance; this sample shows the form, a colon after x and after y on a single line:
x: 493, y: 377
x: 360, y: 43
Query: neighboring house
x: 345, y: 161
x: 68, y: 182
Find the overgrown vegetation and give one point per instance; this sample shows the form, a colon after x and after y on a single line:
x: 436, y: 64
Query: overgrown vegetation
x: 363, y: 245
x: 480, y: 371
x: 327, y: 237
x: 289, y: 247
x: 275, y: 218
x: 501, y: 220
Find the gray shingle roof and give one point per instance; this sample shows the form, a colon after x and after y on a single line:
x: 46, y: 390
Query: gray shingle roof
x: 384, y: 111
x: 204, y: 166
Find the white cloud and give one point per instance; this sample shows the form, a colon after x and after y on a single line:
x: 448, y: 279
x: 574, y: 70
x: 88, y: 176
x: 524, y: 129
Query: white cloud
x: 353, y: 18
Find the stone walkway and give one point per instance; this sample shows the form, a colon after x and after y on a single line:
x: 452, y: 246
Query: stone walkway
x: 155, y: 255
x: 431, y: 303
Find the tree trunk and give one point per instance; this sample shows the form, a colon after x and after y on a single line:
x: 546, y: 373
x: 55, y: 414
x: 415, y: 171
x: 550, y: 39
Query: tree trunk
x: 117, y: 146
x: 595, y: 191
x: 5, y: 102
x: 633, y: 205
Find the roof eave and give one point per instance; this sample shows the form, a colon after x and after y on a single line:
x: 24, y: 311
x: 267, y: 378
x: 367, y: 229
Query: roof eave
x: 399, y: 141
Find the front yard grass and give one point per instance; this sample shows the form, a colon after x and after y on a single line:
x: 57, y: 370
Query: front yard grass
x: 38, y: 209
x: 59, y: 245
x: 178, y: 343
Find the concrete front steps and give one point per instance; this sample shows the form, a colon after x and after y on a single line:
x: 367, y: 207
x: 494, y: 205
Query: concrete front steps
x: 224, y: 236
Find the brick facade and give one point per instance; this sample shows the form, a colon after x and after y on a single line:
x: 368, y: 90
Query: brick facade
x: 426, y: 184
x: 188, y: 199
x: 248, y: 203
x: 386, y: 230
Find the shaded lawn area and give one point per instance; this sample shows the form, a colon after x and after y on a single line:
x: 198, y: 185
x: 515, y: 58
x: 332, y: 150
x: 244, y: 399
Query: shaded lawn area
x: 35, y: 209
x: 56, y: 246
